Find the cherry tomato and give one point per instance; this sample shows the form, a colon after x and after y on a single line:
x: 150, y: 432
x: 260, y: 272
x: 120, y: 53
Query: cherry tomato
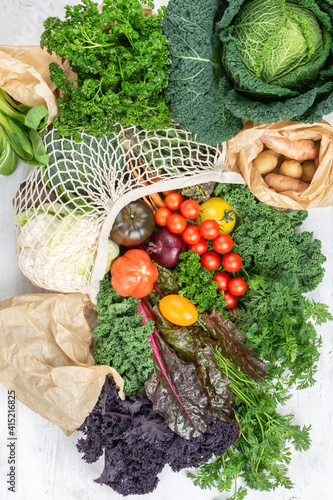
x: 190, y: 209
x: 222, y: 280
x: 210, y: 260
x: 209, y: 229
x: 222, y: 243
x: 178, y: 310
x: 161, y: 216
x: 176, y: 223
x: 232, y: 262
x: 237, y: 286
x: 200, y: 247
x: 230, y: 299
x: 173, y: 200
x: 191, y: 235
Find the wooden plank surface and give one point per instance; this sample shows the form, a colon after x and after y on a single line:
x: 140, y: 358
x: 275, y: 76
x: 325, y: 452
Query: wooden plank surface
x: 48, y: 464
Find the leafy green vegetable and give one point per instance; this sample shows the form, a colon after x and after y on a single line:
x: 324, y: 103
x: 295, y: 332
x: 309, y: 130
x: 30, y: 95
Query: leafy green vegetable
x: 197, y: 343
x: 278, y: 265
x: 231, y: 343
x: 121, y: 60
x: 19, y: 134
x: 124, y: 342
x: 274, y: 38
x: 266, y: 240
x: 264, y: 60
x: 277, y: 326
x: 196, y: 283
x: 176, y: 392
x: 8, y: 158
x: 260, y: 457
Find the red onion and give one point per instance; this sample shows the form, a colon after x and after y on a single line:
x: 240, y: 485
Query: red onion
x: 165, y: 247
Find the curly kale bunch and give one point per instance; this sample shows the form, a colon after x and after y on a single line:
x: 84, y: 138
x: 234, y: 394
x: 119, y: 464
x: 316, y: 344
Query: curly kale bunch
x: 267, y: 242
x: 121, y: 60
x: 123, y: 339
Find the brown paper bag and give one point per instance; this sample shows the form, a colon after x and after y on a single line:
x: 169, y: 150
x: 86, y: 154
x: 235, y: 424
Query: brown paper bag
x: 46, y: 358
x: 24, y: 75
x: 246, y: 145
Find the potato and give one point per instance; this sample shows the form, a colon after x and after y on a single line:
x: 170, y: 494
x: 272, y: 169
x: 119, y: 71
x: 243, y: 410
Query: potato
x: 309, y: 169
x: 291, y: 168
x: 260, y: 146
x: 283, y: 183
x: 265, y: 162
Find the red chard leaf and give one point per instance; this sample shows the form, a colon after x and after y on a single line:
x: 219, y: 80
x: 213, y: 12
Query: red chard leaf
x: 232, y: 345
x: 176, y: 391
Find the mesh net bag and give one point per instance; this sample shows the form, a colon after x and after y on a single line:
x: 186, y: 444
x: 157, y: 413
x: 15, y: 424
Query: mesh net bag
x: 64, y: 212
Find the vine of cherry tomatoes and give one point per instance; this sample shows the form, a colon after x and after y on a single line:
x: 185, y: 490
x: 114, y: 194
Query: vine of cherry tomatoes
x: 196, y: 236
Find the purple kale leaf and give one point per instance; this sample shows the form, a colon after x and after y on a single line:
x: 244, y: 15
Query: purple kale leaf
x: 137, y: 442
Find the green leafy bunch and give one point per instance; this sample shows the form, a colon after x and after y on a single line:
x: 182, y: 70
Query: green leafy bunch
x: 277, y: 323
x: 279, y: 265
x: 121, y: 60
x: 123, y: 339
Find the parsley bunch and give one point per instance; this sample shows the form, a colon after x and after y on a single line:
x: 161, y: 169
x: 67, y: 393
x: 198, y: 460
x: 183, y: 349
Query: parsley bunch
x: 196, y: 283
x: 121, y: 60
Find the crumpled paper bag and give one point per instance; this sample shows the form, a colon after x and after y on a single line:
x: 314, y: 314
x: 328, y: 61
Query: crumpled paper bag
x: 245, y: 146
x: 24, y: 75
x: 45, y: 356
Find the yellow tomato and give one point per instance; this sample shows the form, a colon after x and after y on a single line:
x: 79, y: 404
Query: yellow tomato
x: 178, y: 310
x: 217, y: 209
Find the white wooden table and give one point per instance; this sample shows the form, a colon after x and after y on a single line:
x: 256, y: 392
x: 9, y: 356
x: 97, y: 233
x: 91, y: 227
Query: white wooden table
x: 48, y: 466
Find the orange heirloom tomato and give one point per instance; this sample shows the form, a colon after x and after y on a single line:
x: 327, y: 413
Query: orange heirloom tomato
x: 133, y: 274
x: 178, y: 310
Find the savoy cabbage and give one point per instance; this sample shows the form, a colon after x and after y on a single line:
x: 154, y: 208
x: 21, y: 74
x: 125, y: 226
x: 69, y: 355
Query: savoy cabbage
x: 263, y: 60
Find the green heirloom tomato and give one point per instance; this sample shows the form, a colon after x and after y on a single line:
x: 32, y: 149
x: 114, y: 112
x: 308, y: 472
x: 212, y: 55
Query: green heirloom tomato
x: 134, y: 224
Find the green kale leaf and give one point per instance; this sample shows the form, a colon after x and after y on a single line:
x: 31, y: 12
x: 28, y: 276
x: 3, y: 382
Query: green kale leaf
x: 123, y: 339
x: 266, y: 240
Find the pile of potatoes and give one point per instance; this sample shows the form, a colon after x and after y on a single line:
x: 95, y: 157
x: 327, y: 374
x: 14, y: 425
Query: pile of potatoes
x: 287, y: 165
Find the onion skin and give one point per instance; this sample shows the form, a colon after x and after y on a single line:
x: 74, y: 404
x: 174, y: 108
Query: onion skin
x: 165, y: 247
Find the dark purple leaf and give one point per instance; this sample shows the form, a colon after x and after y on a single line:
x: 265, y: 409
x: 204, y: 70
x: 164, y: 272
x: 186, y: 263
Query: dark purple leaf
x: 138, y: 445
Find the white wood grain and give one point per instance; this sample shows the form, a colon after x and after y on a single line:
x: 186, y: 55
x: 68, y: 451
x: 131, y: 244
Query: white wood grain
x: 48, y: 464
